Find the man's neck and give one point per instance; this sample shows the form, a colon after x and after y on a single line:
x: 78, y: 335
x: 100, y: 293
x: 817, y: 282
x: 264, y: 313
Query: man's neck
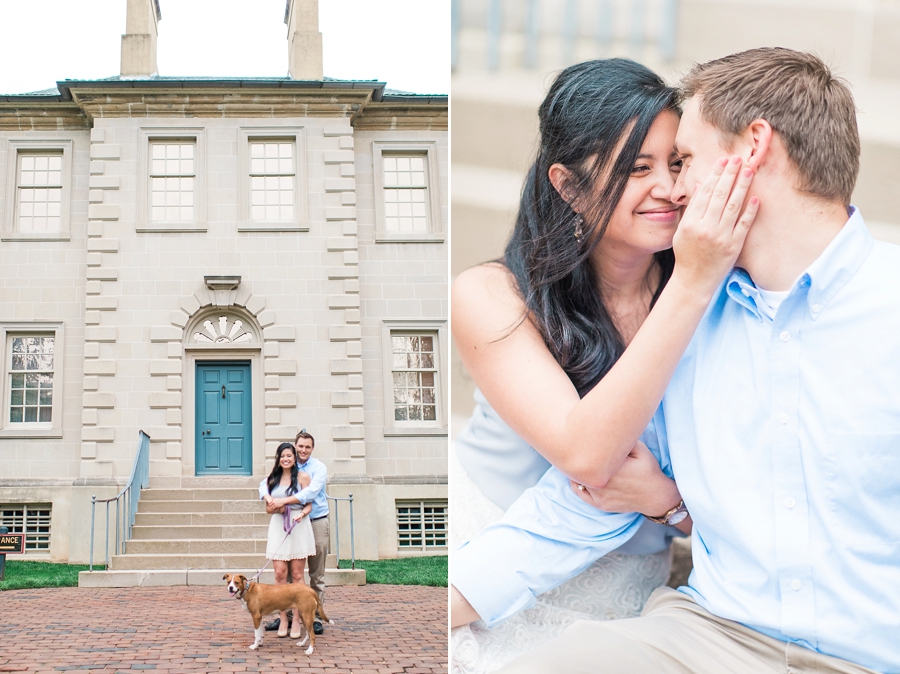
x: 788, y: 237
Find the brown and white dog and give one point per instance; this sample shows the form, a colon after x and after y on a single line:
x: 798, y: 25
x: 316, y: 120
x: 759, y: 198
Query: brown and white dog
x: 261, y: 600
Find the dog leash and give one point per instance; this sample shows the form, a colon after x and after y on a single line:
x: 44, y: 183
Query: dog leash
x: 288, y: 524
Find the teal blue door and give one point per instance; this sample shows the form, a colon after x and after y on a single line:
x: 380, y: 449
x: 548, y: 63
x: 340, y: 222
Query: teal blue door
x: 223, y: 434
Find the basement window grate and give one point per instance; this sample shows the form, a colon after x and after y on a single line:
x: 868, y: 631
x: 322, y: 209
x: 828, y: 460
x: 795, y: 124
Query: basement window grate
x: 32, y: 519
x: 421, y: 525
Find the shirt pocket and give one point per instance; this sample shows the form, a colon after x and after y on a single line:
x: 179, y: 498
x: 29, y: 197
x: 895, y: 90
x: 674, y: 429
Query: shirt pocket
x: 862, y: 488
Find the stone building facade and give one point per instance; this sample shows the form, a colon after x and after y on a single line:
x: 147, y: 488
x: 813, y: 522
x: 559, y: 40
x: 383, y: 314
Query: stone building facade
x: 220, y: 263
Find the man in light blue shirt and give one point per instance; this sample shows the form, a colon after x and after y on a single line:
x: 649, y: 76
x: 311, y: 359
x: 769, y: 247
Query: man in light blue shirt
x: 782, y: 422
x: 318, y: 516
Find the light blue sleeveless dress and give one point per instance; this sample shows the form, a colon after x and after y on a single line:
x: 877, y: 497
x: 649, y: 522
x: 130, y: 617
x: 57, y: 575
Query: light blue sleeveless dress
x: 491, y: 467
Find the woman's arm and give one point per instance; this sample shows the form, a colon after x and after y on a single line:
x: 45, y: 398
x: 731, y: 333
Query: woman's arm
x: 589, y: 438
x: 639, y: 486
x: 461, y: 611
x: 303, y: 512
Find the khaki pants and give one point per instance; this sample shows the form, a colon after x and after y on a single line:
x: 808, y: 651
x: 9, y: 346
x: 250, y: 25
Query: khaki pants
x: 674, y: 635
x: 316, y: 564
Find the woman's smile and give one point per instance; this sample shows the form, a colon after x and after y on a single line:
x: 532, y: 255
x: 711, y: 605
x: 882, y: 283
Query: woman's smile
x: 667, y: 215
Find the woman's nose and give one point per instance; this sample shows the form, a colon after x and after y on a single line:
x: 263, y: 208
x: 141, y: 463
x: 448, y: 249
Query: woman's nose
x: 664, y: 185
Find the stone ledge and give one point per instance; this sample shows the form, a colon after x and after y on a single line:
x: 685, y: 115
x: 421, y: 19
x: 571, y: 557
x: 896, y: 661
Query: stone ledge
x: 201, y: 577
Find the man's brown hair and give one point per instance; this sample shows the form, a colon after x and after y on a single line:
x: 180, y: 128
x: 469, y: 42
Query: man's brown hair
x: 304, y: 434
x: 797, y: 95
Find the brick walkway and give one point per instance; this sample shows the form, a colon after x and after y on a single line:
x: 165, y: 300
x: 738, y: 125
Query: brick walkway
x: 380, y: 629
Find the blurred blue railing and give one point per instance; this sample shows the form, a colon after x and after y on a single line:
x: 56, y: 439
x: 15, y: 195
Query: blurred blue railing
x: 635, y: 24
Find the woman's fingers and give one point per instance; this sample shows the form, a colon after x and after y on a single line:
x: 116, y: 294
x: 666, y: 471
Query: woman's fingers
x: 700, y: 200
x: 722, y: 190
x: 746, y: 219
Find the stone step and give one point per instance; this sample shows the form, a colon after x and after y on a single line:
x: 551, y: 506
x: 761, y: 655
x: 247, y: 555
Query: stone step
x: 200, y: 494
x: 193, y: 546
x: 200, y: 577
x: 203, y: 482
x: 200, y: 518
x: 211, y: 531
x: 223, y: 561
x: 172, y: 506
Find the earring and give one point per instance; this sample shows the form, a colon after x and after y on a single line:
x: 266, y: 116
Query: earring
x: 578, y: 222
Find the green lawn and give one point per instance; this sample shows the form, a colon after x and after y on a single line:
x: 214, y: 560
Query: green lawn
x: 26, y: 575
x: 403, y: 571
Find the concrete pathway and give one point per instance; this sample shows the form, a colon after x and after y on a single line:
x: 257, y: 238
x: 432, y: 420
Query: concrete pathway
x: 380, y: 629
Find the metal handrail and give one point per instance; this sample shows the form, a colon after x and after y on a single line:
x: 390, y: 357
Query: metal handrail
x: 337, y: 531
x: 126, y: 500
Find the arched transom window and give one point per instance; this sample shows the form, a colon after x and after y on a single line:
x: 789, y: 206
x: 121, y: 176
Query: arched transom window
x: 222, y: 329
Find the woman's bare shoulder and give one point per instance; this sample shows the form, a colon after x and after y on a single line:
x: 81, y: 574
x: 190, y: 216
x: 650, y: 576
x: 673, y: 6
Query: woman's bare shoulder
x: 487, y: 307
x: 489, y: 283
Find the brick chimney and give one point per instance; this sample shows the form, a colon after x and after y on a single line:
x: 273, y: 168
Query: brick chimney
x: 304, y: 39
x: 139, y: 41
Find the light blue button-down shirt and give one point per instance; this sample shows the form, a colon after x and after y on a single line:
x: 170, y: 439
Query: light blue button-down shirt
x: 784, y: 437
x: 315, y: 492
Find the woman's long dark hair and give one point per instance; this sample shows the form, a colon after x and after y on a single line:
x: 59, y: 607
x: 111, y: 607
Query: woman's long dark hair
x: 593, y: 121
x: 275, y: 476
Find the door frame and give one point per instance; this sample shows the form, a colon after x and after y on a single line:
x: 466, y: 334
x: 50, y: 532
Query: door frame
x: 195, y: 353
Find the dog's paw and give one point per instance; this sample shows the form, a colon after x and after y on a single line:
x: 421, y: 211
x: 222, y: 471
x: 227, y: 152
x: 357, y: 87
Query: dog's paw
x: 303, y: 641
x: 309, y: 650
x: 253, y: 647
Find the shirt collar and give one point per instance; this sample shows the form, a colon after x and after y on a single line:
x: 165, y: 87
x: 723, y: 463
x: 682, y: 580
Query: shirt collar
x: 837, y: 264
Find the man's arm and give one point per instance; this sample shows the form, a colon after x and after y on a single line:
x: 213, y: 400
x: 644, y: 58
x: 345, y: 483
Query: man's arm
x: 546, y: 537
x: 318, y: 475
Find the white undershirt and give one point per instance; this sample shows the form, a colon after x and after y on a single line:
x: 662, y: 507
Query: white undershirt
x: 772, y: 300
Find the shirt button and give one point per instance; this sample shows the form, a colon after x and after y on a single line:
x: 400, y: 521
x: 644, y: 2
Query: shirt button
x: 783, y: 418
x: 746, y: 292
x: 785, y: 336
x: 816, y: 308
x: 790, y: 503
x: 796, y: 584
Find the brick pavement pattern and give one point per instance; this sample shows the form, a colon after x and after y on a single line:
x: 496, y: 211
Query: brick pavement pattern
x: 380, y: 629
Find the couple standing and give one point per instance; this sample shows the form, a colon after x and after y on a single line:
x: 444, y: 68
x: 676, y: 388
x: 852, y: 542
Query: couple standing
x: 690, y: 322
x: 294, y: 493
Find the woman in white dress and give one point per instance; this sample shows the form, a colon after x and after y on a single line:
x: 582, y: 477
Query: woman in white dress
x: 290, y: 540
x: 569, y: 359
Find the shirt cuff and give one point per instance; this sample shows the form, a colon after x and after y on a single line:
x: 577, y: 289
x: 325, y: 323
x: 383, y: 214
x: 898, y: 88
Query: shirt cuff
x: 494, y: 590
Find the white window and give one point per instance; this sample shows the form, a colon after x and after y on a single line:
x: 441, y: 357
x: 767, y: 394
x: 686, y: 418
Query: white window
x: 172, y: 181
x: 39, y: 192
x: 32, y: 380
x: 39, y: 174
x: 271, y: 181
x: 413, y: 374
x: 31, y: 519
x: 421, y: 525
x: 407, y: 192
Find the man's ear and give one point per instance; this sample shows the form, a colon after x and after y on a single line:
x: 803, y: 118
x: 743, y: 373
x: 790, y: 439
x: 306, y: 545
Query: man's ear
x: 563, y: 182
x: 758, y: 136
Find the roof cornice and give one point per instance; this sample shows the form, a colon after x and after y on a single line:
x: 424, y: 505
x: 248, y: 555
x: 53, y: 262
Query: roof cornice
x: 79, y: 102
